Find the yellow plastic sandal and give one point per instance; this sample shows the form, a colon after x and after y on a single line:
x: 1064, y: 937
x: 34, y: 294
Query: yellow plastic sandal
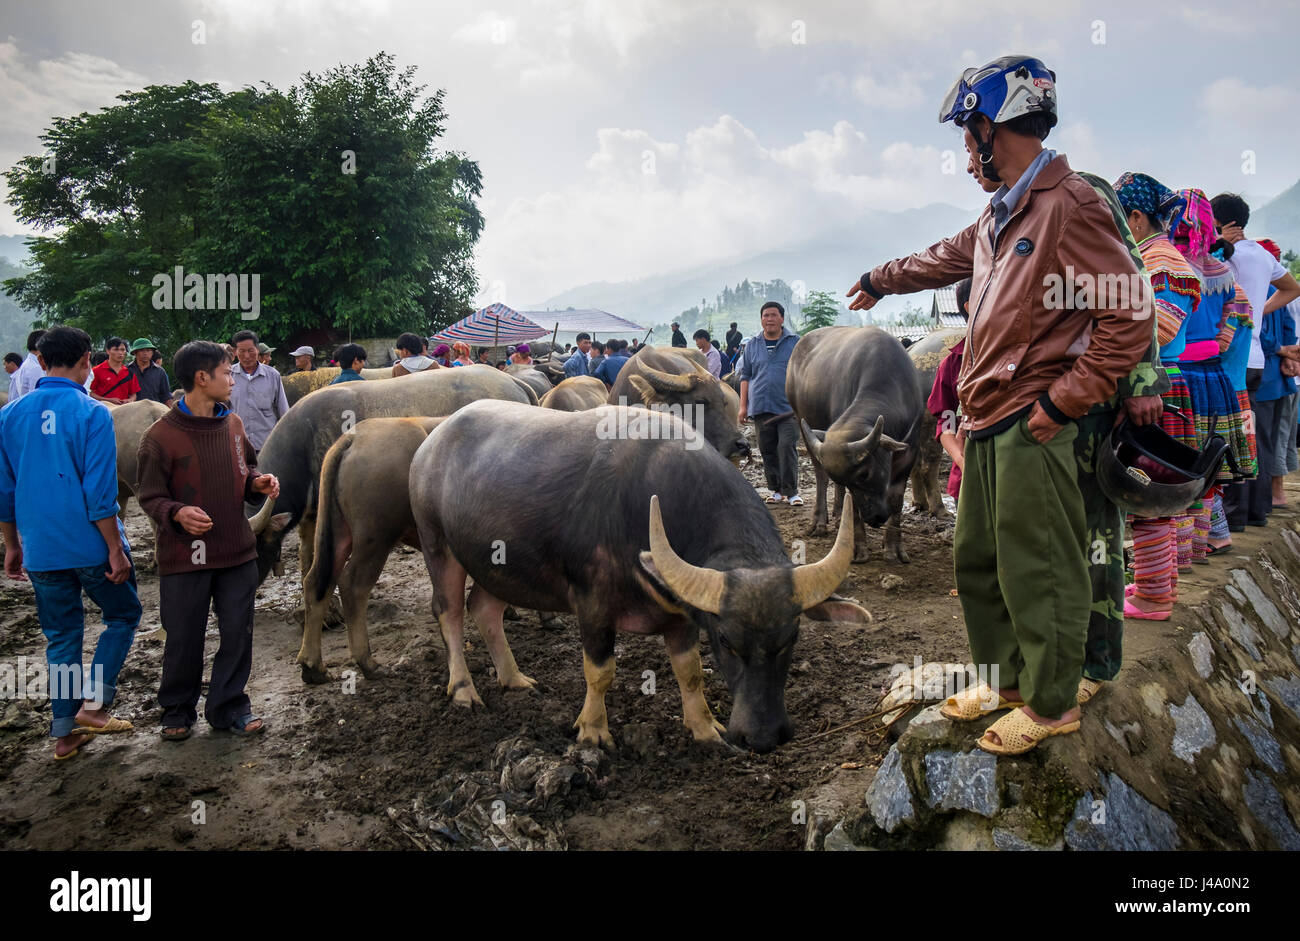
x: 114, y: 724
x: 1087, y: 689
x: 1018, y: 733
x: 973, y: 702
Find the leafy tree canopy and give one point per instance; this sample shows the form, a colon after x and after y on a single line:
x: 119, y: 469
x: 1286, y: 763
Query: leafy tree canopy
x: 333, y: 194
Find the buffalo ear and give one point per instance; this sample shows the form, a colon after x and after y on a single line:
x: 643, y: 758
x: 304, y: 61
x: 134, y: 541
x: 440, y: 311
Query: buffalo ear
x: 644, y: 389
x: 835, y: 608
x: 279, y: 521
x: 653, y: 585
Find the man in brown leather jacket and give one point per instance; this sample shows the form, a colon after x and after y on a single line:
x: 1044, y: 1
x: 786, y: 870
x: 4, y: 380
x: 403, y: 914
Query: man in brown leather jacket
x: 1058, y: 317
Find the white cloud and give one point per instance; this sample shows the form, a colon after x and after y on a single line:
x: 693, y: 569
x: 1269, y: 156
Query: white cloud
x: 717, y: 193
x: 1218, y: 22
x: 1243, y: 106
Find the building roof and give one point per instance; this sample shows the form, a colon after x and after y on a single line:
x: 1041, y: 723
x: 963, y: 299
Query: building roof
x: 911, y: 332
x: 944, y: 302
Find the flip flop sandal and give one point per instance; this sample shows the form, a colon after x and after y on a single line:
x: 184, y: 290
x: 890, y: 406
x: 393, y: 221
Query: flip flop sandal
x: 1137, y: 614
x: 112, y: 726
x: 241, y: 726
x: 76, y: 751
x: 972, y: 702
x: 1088, y: 688
x: 1018, y: 727
x: 174, y: 736
x: 1218, y: 550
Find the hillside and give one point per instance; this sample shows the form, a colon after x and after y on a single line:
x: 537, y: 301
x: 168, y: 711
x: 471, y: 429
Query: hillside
x: 827, y: 264
x: 1279, y: 220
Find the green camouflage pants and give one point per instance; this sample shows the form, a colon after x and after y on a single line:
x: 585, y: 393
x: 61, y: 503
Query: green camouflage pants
x: 1104, y: 651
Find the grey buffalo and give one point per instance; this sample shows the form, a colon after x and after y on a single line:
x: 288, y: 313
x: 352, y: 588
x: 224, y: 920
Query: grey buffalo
x: 668, y: 380
x: 855, y: 393
x: 647, y: 566
x: 296, y: 447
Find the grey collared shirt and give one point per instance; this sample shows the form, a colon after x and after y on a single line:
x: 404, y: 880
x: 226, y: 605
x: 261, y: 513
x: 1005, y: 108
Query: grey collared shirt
x: 258, y: 399
x: 1005, y: 201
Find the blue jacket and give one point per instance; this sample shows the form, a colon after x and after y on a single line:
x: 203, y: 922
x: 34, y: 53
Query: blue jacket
x: 766, y: 374
x: 575, y: 365
x: 58, y: 475
x: 607, y: 371
x: 1277, y: 330
x: 347, y: 375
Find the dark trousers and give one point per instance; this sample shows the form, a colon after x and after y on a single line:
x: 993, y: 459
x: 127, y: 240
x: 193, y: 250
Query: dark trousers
x: 184, y: 599
x: 1250, y: 499
x: 777, y: 442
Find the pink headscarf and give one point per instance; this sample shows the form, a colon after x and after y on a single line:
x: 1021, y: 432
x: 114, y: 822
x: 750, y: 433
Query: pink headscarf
x: 1196, y: 222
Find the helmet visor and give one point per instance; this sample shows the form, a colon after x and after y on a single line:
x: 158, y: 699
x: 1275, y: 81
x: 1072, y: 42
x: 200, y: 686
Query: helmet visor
x: 952, y: 101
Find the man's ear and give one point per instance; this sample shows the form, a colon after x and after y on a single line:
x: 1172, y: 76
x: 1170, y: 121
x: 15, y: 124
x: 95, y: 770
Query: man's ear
x: 653, y: 585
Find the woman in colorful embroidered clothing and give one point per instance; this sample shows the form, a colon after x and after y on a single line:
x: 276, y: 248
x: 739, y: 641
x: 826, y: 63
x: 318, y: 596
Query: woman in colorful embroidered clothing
x: 1210, y: 331
x: 1161, y: 545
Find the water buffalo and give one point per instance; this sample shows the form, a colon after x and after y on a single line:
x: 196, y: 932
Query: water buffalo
x: 926, y: 355
x: 296, y: 447
x: 690, y: 352
x: 531, y: 377
x: 575, y: 394
x: 855, y: 393
x: 663, y: 379
x: 363, y: 512
x: 647, y: 566
x: 130, y: 422
x: 300, y: 384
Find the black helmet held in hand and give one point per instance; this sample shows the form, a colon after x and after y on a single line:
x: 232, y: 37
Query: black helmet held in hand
x: 1146, y: 472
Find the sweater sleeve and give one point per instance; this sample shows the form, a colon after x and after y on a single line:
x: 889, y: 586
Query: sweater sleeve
x: 99, y: 475
x: 153, y: 489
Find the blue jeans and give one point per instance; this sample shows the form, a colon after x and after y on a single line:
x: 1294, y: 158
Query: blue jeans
x: 63, y: 621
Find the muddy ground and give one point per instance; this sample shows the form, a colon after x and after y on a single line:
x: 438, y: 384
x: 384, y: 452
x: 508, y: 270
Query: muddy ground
x: 393, y: 766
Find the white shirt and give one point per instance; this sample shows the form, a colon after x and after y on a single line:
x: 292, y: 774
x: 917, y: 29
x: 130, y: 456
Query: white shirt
x: 1255, y: 269
x: 27, y: 375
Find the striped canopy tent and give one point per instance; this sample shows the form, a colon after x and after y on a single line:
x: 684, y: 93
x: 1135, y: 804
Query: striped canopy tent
x: 492, y: 326
x: 498, y: 324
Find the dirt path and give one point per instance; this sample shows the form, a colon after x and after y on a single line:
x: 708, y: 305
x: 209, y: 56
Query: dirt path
x: 392, y: 765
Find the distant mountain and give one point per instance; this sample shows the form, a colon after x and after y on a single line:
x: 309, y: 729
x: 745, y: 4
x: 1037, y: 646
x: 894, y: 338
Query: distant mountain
x: 1279, y: 220
x: 825, y: 264
x: 14, y: 248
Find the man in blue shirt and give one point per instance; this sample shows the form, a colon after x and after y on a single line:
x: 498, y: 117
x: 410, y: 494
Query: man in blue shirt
x: 576, y: 365
x: 607, y: 371
x: 762, y: 397
x: 58, y: 495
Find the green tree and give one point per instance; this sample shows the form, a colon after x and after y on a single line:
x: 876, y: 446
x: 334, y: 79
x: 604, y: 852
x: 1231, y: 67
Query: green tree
x: 819, y: 310
x: 332, y: 194
x: 913, y: 316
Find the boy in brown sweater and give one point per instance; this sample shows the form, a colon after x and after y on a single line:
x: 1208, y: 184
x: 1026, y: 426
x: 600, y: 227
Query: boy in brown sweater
x: 196, y: 472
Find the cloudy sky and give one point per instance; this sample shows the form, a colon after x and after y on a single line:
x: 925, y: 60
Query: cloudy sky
x: 625, y: 138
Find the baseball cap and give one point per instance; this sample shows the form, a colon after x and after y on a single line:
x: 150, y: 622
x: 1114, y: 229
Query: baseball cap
x: 263, y: 349
x: 303, y: 351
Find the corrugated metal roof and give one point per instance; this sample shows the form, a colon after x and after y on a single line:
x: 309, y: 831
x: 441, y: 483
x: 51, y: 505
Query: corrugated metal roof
x: 945, y: 301
x: 951, y: 320
x: 902, y: 330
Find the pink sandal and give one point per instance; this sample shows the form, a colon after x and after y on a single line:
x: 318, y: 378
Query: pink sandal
x: 1133, y: 611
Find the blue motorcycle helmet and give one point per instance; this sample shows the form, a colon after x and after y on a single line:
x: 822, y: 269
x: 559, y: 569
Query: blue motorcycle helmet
x: 1003, y: 90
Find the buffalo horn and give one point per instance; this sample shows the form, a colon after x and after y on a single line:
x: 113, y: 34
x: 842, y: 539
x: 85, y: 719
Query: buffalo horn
x: 263, y: 516
x: 698, y: 587
x: 815, y: 582
x: 666, y: 382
